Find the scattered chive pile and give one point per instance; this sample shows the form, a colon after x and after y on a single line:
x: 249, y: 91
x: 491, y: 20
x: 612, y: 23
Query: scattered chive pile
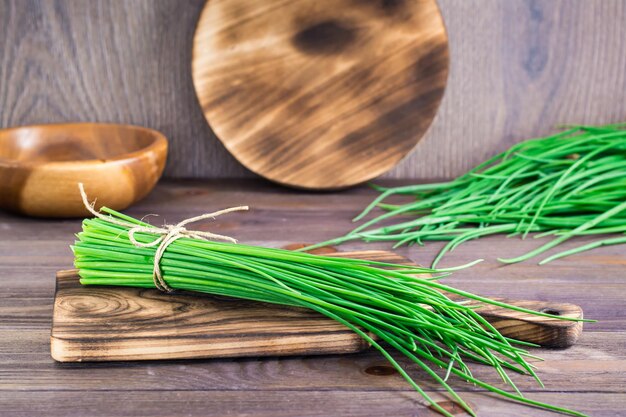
x: 569, y: 184
x: 408, y: 314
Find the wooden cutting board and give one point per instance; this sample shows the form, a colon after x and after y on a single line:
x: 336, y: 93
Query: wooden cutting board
x: 117, y: 324
x: 320, y: 94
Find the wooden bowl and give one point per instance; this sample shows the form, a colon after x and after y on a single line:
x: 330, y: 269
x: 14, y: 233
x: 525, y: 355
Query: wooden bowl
x: 41, y: 166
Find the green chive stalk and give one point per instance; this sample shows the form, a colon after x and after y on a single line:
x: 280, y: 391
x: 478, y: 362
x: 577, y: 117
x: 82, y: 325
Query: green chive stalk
x: 569, y: 184
x: 396, y: 308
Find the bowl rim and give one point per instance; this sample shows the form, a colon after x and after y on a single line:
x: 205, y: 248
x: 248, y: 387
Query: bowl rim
x: 159, y: 140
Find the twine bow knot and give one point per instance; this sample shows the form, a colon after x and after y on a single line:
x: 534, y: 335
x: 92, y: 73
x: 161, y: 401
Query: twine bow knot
x: 166, y: 235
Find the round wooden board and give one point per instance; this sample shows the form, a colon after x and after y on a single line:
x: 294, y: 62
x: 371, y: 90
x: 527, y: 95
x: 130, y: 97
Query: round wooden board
x: 320, y: 94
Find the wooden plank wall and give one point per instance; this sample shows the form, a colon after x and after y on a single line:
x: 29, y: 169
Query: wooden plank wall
x: 518, y: 68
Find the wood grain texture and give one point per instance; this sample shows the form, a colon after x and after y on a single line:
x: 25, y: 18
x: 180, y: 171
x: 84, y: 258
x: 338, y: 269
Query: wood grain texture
x: 518, y: 68
x: 27, y: 366
x: 281, y: 404
x: 108, y: 61
x: 41, y: 166
x: 590, y: 376
x: 107, y: 323
x: 320, y: 94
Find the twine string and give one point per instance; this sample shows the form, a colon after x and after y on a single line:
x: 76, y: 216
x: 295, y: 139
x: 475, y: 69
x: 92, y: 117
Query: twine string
x: 166, y: 235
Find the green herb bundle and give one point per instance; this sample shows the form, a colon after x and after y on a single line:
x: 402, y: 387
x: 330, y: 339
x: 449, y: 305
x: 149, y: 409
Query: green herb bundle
x: 566, y: 185
x: 388, y: 305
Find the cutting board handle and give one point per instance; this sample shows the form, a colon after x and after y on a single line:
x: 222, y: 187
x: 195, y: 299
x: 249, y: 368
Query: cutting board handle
x: 544, y: 331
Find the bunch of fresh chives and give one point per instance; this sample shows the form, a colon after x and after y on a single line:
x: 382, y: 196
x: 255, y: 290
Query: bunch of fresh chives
x: 391, y: 302
x: 569, y: 184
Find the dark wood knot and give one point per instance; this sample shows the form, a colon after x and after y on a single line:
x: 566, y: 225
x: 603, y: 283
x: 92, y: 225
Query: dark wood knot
x: 325, y: 38
x: 380, y: 370
x: 450, y: 406
x: 550, y: 310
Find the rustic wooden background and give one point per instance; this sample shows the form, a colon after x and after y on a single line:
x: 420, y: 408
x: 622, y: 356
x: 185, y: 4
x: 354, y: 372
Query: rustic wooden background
x: 518, y: 69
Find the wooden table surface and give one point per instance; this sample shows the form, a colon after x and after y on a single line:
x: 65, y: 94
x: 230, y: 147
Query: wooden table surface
x: 590, y: 377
